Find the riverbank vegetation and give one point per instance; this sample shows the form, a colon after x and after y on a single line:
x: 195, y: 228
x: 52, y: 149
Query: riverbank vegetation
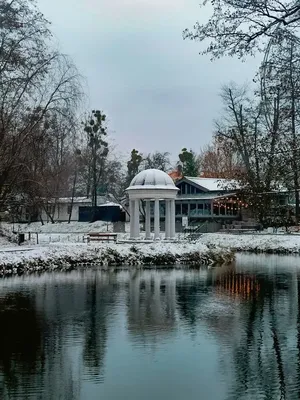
x: 71, y: 256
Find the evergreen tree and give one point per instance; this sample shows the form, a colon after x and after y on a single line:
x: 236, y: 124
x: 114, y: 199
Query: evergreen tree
x: 190, y: 162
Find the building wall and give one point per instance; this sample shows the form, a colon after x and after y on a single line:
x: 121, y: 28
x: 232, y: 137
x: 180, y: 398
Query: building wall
x: 206, y: 226
x: 61, y: 213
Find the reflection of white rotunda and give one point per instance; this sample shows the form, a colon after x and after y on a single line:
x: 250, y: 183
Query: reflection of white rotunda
x: 152, y: 185
x: 152, y: 304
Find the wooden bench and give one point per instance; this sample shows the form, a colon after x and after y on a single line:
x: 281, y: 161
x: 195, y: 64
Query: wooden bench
x: 101, y: 236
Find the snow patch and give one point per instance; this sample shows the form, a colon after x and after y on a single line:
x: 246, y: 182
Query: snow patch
x: 258, y: 243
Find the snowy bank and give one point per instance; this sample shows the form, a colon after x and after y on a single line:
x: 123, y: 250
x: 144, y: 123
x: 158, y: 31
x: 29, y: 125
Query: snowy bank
x: 63, y: 257
x: 256, y: 243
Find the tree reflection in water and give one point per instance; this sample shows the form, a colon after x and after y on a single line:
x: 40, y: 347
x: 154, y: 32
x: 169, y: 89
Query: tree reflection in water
x: 99, y: 299
x: 265, y: 335
x: 21, y: 339
x: 54, y: 334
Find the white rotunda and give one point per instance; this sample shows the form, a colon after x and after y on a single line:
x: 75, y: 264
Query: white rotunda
x: 152, y: 185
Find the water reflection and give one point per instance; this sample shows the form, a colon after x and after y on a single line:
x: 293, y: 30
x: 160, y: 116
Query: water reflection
x: 151, y: 305
x: 98, y: 303
x: 21, y: 337
x: 229, y: 333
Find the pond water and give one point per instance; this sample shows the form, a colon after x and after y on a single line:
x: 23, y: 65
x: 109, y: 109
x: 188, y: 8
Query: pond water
x: 220, y: 334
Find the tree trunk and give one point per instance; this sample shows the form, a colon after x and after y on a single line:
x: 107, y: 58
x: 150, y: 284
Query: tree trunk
x: 94, y: 195
x: 48, y: 214
x: 73, y: 195
x: 294, y: 139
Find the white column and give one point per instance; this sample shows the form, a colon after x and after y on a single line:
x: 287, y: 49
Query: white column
x: 172, y: 220
x: 156, y: 220
x: 132, y: 223
x: 167, y: 219
x: 148, y: 220
x: 136, y: 218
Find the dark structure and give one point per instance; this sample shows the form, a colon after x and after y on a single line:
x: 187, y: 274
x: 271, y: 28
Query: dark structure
x: 108, y: 213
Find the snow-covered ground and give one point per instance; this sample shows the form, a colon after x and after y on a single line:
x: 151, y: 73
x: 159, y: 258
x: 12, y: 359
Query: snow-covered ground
x: 277, y: 243
x: 63, y: 256
x: 62, y: 246
x: 15, y: 254
x: 75, y: 232
x: 62, y: 232
x: 62, y: 241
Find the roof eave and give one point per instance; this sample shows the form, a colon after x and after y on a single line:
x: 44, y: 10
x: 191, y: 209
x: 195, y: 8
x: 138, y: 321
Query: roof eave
x: 187, y: 180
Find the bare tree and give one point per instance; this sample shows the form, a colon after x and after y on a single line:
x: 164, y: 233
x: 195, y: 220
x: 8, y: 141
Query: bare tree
x: 280, y: 75
x: 219, y: 159
x: 240, y: 27
x: 243, y: 124
x: 96, y: 131
x: 157, y: 160
x: 40, y: 91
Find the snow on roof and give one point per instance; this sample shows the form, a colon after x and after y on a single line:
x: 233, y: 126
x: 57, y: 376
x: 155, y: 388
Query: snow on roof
x: 110, y: 204
x: 76, y: 200
x: 152, y: 179
x: 65, y: 200
x: 213, y: 184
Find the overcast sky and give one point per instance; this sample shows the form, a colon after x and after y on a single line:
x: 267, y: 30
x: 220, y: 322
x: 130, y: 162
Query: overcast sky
x: 156, y: 90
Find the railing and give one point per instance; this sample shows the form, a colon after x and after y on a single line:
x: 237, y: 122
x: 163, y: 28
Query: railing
x: 199, y: 212
x: 206, y: 213
x: 193, y: 232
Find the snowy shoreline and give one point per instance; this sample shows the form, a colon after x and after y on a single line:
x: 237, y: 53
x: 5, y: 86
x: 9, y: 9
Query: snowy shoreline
x: 63, y: 257
x: 258, y: 243
x: 61, y: 248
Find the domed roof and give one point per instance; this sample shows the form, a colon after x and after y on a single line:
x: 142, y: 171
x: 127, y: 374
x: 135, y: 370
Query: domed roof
x: 152, y: 179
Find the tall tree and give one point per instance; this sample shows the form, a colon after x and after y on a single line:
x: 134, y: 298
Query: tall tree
x: 243, y: 27
x: 243, y: 124
x: 76, y: 159
x: 158, y: 160
x: 96, y: 131
x: 133, y: 165
x: 219, y: 159
x: 280, y: 76
x: 190, y: 162
x: 39, y: 87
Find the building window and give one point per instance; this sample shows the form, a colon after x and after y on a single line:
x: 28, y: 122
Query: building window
x: 282, y: 201
x: 178, y: 209
x: 216, y: 209
x: 184, y: 209
x: 207, y: 209
x: 193, y: 209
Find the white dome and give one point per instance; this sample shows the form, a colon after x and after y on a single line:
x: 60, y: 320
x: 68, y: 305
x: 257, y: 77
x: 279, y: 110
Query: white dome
x: 152, y: 179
